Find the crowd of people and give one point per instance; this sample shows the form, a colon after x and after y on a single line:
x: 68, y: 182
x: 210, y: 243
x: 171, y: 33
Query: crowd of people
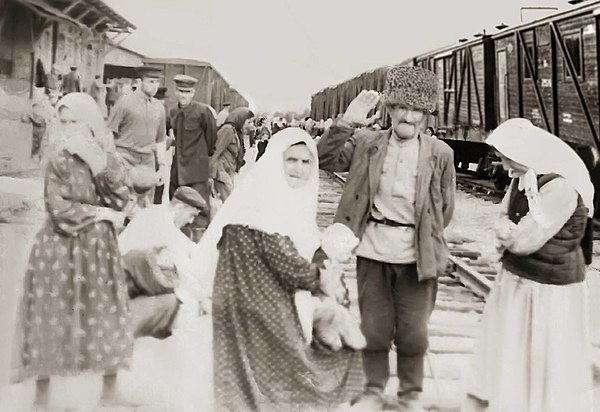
x: 156, y: 215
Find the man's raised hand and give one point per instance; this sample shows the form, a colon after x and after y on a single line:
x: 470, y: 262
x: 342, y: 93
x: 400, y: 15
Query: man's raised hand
x: 361, y: 106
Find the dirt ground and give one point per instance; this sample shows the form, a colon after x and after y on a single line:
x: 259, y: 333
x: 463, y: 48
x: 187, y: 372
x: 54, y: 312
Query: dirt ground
x: 162, y: 372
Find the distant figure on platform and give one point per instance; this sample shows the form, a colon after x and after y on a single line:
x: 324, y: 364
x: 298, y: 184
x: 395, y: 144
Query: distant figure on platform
x: 44, y: 121
x: 98, y: 92
x: 139, y: 123
x: 195, y: 135
x: 161, y: 94
x: 71, y: 81
x: 112, y: 94
x: 430, y: 131
x: 223, y: 114
x: 398, y: 199
x: 228, y: 157
x: 534, y: 352
x: 263, y: 140
x: 54, y: 79
x: 74, y: 314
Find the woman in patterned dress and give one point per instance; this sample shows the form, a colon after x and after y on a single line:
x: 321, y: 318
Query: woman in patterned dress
x: 74, y: 313
x: 260, y: 245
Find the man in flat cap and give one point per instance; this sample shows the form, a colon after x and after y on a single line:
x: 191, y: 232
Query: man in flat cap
x: 398, y: 198
x: 195, y: 135
x: 71, y: 82
x: 158, y: 261
x: 138, y: 122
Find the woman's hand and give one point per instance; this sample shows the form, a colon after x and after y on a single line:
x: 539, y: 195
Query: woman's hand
x: 331, y: 281
x: 90, y: 152
x: 503, y: 229
x: 110, y: 215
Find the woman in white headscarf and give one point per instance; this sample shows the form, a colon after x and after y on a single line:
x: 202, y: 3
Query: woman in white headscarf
x: 74, y: 312
x: 259, y: 247
x: 534, y: 351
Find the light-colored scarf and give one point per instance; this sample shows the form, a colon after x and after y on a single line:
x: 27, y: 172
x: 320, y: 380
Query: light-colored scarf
x: 542, y: 153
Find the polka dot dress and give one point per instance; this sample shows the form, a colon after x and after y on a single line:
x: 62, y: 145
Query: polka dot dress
x: 261, y: 362
x: 74, y: 313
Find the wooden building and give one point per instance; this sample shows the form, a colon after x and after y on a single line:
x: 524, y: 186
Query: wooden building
x: 37, y: 34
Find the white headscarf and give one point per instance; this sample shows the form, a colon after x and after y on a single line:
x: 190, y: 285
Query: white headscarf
x: 86, y: 110
x: 265, y: 201
x: 542, y: 152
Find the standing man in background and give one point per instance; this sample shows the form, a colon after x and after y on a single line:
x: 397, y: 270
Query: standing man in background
x: 138, y: 121
x: 223, y: 114
x: 398, y: 199
x: 195, y: 133
x: 71, y: 82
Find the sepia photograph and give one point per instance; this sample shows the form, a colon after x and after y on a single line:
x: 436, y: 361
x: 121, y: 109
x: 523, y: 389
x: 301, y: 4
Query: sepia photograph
x: 299, y: 206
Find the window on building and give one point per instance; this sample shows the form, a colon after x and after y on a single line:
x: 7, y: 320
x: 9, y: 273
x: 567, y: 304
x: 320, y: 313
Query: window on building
x: 573, y: 44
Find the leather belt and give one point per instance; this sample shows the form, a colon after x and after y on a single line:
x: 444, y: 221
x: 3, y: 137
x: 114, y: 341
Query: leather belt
x: 389, y: 222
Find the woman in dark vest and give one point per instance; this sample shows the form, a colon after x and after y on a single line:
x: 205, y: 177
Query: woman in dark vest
x: 534, y: 353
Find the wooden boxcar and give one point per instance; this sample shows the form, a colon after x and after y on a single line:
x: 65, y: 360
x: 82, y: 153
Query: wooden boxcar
x: 465, y: 76
x: 546, y: 71
x: 331, y: 101
x: 211, y: 88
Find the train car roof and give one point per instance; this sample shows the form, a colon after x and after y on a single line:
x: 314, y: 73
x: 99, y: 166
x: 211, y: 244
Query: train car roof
x: 578, y: 10
x: 190, y: 62
x: 350, y: 79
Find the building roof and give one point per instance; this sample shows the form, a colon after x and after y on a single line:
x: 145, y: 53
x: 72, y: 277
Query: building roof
x: 166, y: 60
x: 92, y: 15
x: 125, y: 49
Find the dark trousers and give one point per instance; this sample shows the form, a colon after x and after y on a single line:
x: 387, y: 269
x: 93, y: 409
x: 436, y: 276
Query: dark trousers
x: 395, y: 307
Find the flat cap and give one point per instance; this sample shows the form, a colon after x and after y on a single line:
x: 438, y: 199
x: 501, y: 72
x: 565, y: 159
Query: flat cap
x: 413, y: 88
x: 149, y: 71
x: 185, y: 82
x: 190, y: 196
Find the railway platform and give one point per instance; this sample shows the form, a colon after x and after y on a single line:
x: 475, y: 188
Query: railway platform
x: 163, y: 375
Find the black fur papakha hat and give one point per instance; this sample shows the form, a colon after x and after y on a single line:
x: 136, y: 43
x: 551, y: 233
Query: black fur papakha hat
x: 413, y: 88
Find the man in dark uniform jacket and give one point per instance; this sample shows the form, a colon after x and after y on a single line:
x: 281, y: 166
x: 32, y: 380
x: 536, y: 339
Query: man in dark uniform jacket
x: 195, y: 136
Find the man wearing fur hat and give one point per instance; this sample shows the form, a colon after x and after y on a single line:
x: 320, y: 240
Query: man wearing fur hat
x: 398, y: 198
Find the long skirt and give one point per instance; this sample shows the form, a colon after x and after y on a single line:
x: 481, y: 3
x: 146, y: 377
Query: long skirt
x: 534, y: 353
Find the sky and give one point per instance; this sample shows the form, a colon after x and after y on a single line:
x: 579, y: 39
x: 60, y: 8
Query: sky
x: 277, y: 53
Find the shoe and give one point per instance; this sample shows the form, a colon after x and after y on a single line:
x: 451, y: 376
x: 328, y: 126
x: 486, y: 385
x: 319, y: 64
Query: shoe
x: 369, y: 401
x: 408, y: 403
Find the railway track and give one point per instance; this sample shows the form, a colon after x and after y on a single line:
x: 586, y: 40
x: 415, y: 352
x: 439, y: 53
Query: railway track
x: 466, y: 265
x: 454, y: 323
x: 481, y: 188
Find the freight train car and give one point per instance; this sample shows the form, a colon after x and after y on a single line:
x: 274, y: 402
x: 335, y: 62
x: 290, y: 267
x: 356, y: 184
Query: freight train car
x: 466, y: 78
x: 331, y: 101
x: 546, y: 71
x: 211, y: 89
